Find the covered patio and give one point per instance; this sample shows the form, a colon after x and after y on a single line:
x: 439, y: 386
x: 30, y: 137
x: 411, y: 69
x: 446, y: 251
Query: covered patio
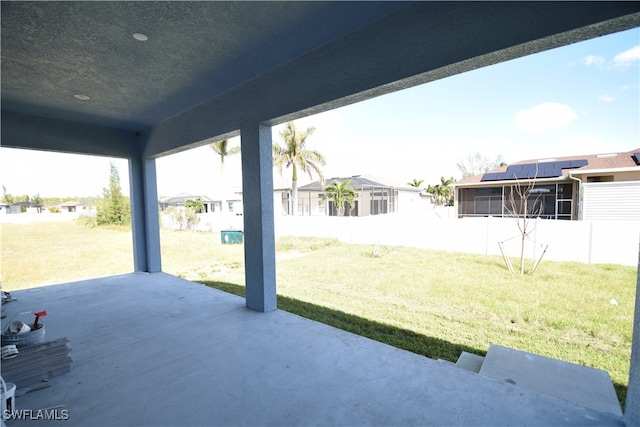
x: 140, y: 80
x: 156, y: 350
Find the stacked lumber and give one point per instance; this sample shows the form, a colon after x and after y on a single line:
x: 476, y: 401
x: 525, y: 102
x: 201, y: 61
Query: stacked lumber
x: 37, y: 363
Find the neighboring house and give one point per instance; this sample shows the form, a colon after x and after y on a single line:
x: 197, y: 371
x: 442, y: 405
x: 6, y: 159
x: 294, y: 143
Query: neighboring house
x: 24, y: 207
x: 4, y: 208
x: 72, y: 207
x: 374, y: 197
x: 281, y: 195
x: 599, y: 186
x: 228, y: 202
x: 180, y: 200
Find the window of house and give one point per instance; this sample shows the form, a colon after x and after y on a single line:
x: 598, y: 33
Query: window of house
x: 321, y: 205
x: 541, y: 202
x: 488, y: 201
x: 602, y: 178
x: 378, y: 207
x: 565, y: 209
x: 382, y: 201
x: 542, y: 205
x: 285, y: 203
x: 488, y: 205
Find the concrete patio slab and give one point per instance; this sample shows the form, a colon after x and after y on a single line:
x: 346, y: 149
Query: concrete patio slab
x: 153, y: 349
x: 575, y: 383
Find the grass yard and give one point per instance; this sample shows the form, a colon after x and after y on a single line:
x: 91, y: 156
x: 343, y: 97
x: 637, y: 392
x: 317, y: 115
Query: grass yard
x: 432, y: 303
x: 46, y: 253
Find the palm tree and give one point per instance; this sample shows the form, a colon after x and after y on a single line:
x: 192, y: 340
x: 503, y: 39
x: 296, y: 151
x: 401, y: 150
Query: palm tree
x: 340, y: 193
x: 442, y: 192
x: 295, y: 154
x: 415, y: 183
x: 223, y: 150
x: 447, y: 191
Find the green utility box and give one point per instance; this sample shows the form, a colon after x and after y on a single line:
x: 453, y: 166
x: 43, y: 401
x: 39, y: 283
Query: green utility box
x: 231, y: 237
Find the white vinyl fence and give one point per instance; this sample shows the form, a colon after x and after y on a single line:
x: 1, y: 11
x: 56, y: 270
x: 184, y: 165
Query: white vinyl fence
x: 592, y: 242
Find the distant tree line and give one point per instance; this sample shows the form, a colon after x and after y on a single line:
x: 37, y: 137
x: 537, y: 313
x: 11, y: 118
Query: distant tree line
x: 10, y: 199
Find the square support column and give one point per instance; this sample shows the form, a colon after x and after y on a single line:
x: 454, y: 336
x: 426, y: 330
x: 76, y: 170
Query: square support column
x: 257, y: 199
x: 145, y: 223
x: 632, y: 405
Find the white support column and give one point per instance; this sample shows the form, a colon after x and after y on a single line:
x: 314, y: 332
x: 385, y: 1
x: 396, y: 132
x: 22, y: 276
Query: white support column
x: 259, y: 239
x: 145, y: 223
x: 632, y: 405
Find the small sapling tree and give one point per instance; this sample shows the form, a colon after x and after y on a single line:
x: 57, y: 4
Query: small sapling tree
x: 524, y: 204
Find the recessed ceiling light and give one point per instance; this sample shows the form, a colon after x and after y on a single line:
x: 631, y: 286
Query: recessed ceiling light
x: 140, y: 37
x: 82, y: 97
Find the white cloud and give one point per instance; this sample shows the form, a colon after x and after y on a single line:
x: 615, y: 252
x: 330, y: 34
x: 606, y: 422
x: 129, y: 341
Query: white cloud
x: 596, y: 60
x: 548, y: 115
x: 627, y: 57
x: 606, y: 98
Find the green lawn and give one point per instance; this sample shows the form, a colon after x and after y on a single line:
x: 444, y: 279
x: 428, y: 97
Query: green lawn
x: 429, y: 302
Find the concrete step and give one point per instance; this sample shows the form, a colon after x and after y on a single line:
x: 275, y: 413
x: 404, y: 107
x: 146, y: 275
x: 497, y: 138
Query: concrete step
x: 470, y: 362
x: 581, y: 385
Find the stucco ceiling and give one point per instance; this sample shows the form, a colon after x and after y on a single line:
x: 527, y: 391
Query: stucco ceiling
x: 52, y: 51
x: 209, y: 67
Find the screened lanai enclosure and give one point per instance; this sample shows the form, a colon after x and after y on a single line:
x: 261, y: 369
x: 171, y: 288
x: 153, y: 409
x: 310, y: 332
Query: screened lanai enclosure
x: 551, y: 201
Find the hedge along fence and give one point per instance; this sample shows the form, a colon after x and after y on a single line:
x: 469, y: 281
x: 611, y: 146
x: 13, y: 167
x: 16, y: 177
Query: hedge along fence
x: 591, y: 242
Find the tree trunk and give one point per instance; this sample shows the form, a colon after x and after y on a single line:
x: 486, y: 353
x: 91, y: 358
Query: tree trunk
x: 523, y: 233
x: 294, y: 191
x: 522, y: 254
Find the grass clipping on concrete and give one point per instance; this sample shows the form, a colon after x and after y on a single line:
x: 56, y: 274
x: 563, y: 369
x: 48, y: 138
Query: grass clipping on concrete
x: 433, y: 303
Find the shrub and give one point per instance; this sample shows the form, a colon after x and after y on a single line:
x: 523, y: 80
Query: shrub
x: 184, y: 218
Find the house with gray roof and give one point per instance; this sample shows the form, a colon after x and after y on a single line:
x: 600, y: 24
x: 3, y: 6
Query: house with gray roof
x: 72, y: 206
x: 375, y: 196
x: 223, y: 201
x: 588, y: 187
x: 24, y: 207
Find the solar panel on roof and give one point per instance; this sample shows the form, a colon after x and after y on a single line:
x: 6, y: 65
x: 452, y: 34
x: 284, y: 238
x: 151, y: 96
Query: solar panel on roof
x: 549, y: 172
x: 578, y: 163
x: 497, y: 176
x: 521, y: 174
x: 539, y: 170
x: 636, y: 158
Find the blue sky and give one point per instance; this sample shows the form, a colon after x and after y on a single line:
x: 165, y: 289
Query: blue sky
x: 578, y: 99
